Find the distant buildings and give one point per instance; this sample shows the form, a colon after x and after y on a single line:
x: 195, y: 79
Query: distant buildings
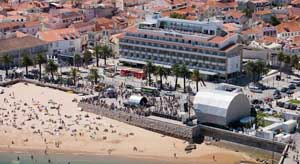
x: 64, y: 19
x: 203, y: 46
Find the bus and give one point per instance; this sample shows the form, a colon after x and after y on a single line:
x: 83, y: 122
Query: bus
x: 150, y: 91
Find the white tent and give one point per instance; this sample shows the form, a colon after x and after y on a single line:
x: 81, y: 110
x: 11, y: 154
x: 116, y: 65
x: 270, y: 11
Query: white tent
x: 137, y: 100
x: 221, y: 107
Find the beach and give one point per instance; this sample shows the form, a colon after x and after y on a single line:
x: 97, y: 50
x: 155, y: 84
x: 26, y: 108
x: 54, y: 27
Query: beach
x: 41, y: 119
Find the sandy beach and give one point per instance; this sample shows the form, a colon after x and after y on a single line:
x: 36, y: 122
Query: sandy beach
x: 35, y: 118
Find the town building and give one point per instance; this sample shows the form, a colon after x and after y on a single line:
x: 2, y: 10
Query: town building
x: 17, y: 47
x: 286, y: 30
x: 64, y: 19
x: 63, y: 44
x: 200, y: 45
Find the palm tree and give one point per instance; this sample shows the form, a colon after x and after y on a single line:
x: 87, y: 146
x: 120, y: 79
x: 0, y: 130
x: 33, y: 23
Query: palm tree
x: 161, y: 72
x: 94, y: 75
x: 26, y: 61
x: 149, y: 68
x: 256, y: 69
x: 184, y: 72
x: 74, y: 75
x: 280, y: 58
x: 77, y: 60
x: 51, y: 68
x: 6, y: 61
x: 261, y: 69
x: 176, y: 71
x: 40, y: 59
x: 294, y: 60
x: 105, y: 52
x: 287, y: 60
x: 196, y: 76
x: 87, y: 56
x: 97, y: 50
x: 250, y: 69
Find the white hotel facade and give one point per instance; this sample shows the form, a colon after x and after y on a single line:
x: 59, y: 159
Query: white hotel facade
x: 203, y: 46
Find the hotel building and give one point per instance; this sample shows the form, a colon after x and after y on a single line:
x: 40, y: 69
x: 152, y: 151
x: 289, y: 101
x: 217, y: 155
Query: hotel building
x: 201, y: 45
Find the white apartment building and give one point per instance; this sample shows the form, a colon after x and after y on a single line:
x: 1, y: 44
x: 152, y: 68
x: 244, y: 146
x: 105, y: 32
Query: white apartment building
x: 203, y: 46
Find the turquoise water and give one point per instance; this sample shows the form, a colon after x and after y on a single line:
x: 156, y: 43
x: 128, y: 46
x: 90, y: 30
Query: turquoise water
x: 25, y: 158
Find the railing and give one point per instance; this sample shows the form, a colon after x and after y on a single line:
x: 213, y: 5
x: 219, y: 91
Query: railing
x: 284, y: 153
x: 55, y: 86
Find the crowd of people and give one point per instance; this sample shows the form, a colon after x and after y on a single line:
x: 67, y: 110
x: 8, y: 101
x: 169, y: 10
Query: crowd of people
x: 162, y: 105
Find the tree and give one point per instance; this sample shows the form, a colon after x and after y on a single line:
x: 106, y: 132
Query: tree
x: 149, y: 68
x: 51, y: 68
x: 97, y: 50
x: 94, y: 76
x: 184, y: 72
x: 177, y: 16
x: 6, y: 61
x: 248, y: 12
x: 250, y: 69
x: 77, y: 60
x: 40, y: 59
x: 196, y: 76
x: 161, y: 72
x: 287, y: 60
x: 294, y: 61
x: 26, y: 61
x: 256, y: 69
x: 74, y: 75
x: 105, y: 52
x: 274, y: 21
x: 280, y: 58
x: 261, y: 69
x: 87, y: 57
x: 176, y: 72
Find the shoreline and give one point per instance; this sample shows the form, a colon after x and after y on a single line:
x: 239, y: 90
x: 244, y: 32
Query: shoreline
x: 148, y: 158
x: 69, y: 152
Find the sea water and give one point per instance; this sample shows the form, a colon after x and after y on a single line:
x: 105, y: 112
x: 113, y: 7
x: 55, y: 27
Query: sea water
x: 25, y: 158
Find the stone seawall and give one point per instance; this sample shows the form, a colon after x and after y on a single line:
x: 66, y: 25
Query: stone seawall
x: 185, y: 132
x: 242, y: 139
x: 174, y: 130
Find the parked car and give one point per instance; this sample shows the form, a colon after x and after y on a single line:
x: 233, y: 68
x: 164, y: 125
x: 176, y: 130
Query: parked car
x: 289, y: 91
x: 128, y: 86
x: 284, y: 89
x: 287, y: 105
x: 256, y: 101
x: 297, y: 83
x: 280, y: 104
x: 292, y: 86
x: 256, y: 90
x: 268, y: 99
x: 277, y: 96
x: 256, y: 86
x: 276, y: 92
x: 293, y: 107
